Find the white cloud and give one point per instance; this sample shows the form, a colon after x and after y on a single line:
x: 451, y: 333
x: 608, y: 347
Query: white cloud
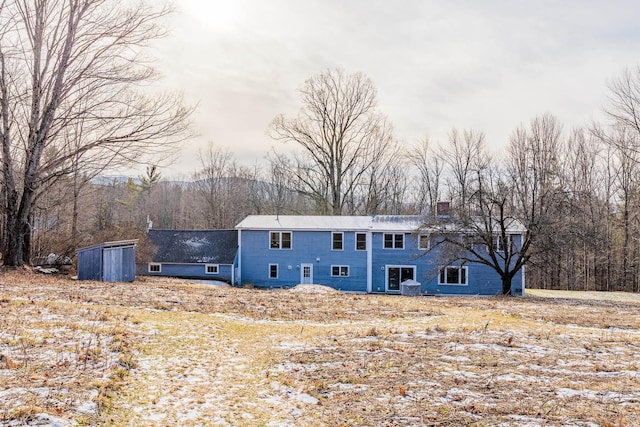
x: 488, y: 65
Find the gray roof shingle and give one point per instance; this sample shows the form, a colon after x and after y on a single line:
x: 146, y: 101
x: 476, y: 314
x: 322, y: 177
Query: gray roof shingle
x: 194, y: 246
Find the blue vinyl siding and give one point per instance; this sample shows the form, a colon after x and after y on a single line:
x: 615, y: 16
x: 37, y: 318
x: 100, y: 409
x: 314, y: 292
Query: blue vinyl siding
x: 307, y: 247
x: 316, y: 248
x: 192, y: 271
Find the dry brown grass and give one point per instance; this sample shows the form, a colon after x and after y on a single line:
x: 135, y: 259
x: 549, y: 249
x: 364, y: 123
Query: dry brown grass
x: 168, y: 352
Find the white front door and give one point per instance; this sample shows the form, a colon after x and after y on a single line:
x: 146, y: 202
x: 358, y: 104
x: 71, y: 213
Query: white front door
x: 306, y: 274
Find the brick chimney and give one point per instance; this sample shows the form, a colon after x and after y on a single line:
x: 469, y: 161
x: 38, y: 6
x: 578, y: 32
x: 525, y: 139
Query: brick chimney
x: 443, y: 210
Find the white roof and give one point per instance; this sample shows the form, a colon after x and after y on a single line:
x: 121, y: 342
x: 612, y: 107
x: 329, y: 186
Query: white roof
x: 304, y: 222
x: 407, y: 223
x: 382, y: 223
x: 333, y: 223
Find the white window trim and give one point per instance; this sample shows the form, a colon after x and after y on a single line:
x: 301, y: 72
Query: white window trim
x: 280, y: 233
x: 394, y: 241
x: 356, y: 242
x: 340, y: 267
x: 496, y: 243
x: 333, y: 233
x: 466, y: 275
x: 217, y: 269
x: 155, y: 264
x: 428, y: 236
x: 277, y: 271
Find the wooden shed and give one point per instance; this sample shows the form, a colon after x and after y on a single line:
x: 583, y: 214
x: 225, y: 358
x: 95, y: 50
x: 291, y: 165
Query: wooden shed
x: 108, y: 261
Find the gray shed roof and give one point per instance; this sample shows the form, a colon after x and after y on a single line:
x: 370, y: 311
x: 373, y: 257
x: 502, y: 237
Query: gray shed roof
x: 194, y: 246
x: 106, y: 245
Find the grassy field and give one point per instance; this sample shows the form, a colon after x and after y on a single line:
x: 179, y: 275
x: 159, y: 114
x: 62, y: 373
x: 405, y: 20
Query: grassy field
x: 168, y: 352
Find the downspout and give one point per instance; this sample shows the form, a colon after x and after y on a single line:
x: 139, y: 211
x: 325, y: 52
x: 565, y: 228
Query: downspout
x: 369, y: 262
x: 239, y: 257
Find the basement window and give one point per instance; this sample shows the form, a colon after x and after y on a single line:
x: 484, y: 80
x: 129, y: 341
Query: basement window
x: 211, y: 268
x: 273, y: 271
x: 155, y: 267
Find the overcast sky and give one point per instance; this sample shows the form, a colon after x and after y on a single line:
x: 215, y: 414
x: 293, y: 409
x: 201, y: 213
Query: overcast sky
x: 437, y: 65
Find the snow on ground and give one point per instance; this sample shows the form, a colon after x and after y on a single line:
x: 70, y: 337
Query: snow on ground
x: 197, y: 355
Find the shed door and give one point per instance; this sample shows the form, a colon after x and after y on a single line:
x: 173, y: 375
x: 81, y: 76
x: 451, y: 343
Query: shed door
x: 306, y: 274
x: 112, y: 265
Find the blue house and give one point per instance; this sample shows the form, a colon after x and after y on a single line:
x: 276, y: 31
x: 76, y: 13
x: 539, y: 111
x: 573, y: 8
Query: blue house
x: 373, y: 254
x: 194, y: 254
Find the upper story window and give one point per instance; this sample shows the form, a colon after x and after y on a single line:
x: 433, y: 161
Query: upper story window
x: 337, y: 240
x: 211, y: 268
x: 498, y: 242
x: 424, y: 241
x: 361, y: 241
x: 453, y: 276
x: 280, y: 240
x: 394, y: 240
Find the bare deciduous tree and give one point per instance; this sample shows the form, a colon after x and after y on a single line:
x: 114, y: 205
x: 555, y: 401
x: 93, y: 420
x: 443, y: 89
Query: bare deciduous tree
x: 429, y: 166
x: 71, y: 71
x: 341, y: 135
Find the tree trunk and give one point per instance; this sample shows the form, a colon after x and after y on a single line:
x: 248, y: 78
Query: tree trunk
x: 11, y: 253
x: 506, y: 284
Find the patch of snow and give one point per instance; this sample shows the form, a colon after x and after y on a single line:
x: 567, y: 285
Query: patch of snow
x: 280, y: 424
x: 292, y: 346
x: 195, y: 242
x: 321, y: 289
x: 351, y: 387
x: 455, y: 358
x: 157, y: 417
x: 88, y: 408
x: 212, y: 282
x: 296, y: 367
x: 41, y: 391
x: 46, y: 420
x: 307, y: 398
x: 523, y: 421
x: 466, y: 374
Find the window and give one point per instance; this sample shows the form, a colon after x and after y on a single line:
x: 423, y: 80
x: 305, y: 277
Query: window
x: 453, y: 276
x: 361, y: 241
x: 424, y: 241
x: 337, y: 239
x: 211, y: 268
x: 280, y: 240
x: 393, y: 241
x: 273, y: 271
x: 155, y: 267
x: 340, y: 270
x: 497, y: 243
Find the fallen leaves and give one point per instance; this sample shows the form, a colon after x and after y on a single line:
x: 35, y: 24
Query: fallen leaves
x: 7, y: 363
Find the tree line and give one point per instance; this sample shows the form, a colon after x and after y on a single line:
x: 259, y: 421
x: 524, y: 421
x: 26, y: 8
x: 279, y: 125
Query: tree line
x: 73, y: 107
